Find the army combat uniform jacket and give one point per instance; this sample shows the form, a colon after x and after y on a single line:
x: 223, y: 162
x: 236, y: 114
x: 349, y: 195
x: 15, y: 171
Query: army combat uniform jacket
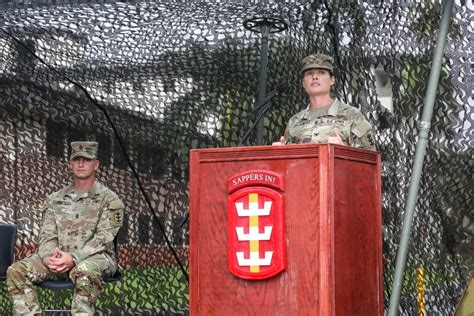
x: 81, y: 223
x: 312, y: 126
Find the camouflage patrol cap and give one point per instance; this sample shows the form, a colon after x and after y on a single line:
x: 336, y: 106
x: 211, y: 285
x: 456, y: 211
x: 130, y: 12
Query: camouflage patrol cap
x: 317, y: 61
x: 84, y: 149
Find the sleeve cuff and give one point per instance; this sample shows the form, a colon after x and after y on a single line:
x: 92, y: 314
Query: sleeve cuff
x: 74, y: 259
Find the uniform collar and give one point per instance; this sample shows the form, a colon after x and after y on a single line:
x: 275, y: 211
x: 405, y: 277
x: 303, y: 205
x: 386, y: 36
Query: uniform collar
x: 333, y: 108
x: 92, y: 191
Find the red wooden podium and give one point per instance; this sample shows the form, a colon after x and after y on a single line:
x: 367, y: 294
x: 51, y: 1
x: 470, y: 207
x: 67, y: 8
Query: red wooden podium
x: 332, y: 231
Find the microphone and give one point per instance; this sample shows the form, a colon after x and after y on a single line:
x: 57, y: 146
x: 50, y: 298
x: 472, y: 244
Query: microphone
x: 274, y: 93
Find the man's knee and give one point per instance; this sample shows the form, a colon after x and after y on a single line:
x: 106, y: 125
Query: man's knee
x: 20, y: 271
x: 18, y: 268
x: 15, y: 270
x: 88, y: 269
x: 29, y: 270
x: 16, y: 274
x: 87, y: 277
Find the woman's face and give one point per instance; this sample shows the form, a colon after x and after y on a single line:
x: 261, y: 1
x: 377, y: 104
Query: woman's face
x: 318, y: 81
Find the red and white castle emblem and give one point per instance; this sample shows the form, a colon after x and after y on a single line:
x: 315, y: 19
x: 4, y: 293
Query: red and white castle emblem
x: 256, y: 233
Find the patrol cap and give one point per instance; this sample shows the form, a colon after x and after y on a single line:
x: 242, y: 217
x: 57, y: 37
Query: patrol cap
x: 84, y: 149
x: 317, y: 61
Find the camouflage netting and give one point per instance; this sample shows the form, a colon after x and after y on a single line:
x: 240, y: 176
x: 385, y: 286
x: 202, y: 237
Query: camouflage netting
x: 172, y: 76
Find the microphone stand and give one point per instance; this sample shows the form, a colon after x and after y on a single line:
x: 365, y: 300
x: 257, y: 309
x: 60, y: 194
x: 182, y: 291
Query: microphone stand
x: 261, y: 114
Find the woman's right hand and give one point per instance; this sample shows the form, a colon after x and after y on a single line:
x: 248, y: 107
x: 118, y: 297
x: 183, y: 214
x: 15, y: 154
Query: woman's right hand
x: 280, y: 143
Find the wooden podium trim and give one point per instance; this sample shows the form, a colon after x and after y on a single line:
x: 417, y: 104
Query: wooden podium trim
x: 258, y: 153
x: 353, y: 154
x: 289, y: 151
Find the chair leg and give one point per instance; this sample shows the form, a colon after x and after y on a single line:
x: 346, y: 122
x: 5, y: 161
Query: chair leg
x: 56, y: 312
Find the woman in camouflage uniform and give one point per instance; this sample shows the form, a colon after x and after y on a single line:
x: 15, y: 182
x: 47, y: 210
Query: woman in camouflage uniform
x: 325, y: 119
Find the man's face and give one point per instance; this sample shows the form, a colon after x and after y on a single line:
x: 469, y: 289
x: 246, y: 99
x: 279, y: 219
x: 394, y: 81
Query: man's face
x: 83, y: 168
x: 318, y: 81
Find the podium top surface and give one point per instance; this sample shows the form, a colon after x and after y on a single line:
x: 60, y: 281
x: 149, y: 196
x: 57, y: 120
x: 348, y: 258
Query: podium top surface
x: 288, y: 151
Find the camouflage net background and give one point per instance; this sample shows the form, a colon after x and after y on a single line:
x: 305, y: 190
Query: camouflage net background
x: 176, y: 75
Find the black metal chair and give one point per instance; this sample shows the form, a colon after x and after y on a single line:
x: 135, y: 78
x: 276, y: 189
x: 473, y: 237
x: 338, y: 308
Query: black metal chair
x: 66, y: 284
x: 7, y: 244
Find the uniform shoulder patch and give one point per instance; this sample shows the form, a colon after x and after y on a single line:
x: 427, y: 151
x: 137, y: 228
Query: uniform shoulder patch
x: 116, y: 217
x: 361, y: 128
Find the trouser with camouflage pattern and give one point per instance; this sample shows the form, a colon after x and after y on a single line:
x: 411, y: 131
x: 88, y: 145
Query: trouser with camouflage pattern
x: 86, y: 276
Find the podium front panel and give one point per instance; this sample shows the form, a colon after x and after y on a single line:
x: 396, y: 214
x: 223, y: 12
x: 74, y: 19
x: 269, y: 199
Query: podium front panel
x: 309, y: 285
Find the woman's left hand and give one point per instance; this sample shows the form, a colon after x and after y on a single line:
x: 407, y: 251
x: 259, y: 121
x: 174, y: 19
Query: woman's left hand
x: 337, y: 139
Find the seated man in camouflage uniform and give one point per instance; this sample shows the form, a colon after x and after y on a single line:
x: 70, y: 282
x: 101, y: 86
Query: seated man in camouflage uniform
x: 76, y: 239
x: 325, y: 119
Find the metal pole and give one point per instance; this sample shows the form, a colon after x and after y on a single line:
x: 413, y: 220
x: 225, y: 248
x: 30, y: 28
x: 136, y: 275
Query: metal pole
x: 264, y: 23
x: 419, y: 157
x: 262, y: 80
